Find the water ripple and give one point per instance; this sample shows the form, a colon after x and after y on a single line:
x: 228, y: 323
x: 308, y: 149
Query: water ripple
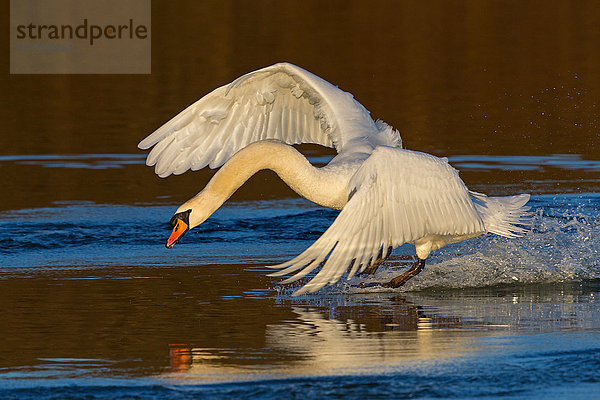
x: 562, y: 245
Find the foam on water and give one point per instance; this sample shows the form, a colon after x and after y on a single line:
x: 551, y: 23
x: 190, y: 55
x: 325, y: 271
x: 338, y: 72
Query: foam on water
x: 561, y: 245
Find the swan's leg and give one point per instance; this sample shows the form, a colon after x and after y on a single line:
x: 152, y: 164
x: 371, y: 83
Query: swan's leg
x: 373, y: 267
x: 402, y: 279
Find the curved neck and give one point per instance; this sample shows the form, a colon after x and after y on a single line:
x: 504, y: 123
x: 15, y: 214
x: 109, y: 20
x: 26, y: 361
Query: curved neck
x: 319, y: 186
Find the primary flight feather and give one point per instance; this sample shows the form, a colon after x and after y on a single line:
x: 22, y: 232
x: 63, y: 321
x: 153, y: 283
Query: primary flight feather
x: 388, y: 195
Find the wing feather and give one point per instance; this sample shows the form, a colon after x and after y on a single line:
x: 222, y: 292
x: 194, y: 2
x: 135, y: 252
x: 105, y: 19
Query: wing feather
x: 281, y: 102
x: 398, y: 196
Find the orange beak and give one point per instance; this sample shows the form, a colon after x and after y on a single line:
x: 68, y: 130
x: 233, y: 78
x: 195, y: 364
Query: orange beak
x: 178, y: 230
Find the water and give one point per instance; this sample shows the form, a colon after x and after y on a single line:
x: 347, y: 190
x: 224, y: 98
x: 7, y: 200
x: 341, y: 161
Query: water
x: 94, y: 306
x: 102, y: 309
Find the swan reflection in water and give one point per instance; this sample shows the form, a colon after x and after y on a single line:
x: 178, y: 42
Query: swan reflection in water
x: 324, y: 342
x: 377, y: 333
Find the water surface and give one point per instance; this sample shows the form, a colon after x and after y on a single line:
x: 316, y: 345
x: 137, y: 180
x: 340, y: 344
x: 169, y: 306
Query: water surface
x: 97, y: 300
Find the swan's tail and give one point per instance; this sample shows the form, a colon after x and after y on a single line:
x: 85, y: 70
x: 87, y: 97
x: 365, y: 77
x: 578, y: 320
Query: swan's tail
x: 504, y: 216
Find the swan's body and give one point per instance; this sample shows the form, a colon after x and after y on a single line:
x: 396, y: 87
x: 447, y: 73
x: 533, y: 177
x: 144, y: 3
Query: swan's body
x: 388, y: 195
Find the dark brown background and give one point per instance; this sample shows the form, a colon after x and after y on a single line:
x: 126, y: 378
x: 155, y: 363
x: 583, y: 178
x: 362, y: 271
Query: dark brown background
x: 455, y: 77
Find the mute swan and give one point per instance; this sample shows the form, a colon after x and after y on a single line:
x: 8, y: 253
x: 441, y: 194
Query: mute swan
x: 387, y: 195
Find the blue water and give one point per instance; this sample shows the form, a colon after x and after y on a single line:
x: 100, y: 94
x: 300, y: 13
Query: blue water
x: 561, y: 244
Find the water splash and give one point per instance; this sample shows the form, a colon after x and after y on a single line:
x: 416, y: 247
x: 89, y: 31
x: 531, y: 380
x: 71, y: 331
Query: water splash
x: 562, y: 245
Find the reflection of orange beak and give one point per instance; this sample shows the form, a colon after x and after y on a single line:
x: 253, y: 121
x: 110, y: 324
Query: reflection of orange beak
x: 181, y: 357
x: 178, y: 230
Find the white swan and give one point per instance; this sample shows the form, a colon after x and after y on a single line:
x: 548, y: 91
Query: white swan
x: 388, y: 195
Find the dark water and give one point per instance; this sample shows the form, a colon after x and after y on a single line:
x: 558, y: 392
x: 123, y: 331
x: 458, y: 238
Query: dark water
x: 94, y: 306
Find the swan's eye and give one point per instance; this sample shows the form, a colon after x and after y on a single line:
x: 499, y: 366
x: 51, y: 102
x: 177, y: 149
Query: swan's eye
x: 184, y: 216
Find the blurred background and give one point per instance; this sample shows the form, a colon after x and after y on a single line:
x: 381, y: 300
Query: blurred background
x: 455, y: 77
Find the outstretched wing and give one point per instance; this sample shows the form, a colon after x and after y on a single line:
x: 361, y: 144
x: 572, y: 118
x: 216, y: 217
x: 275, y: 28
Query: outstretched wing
x: 396, y: 196
x: 281, y: 102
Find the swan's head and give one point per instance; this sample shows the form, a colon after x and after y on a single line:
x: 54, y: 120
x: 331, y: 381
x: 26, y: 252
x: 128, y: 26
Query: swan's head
x: 181, y: 224
x: 188, y: 216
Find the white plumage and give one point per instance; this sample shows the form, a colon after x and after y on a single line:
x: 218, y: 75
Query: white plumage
x: 388, y: 195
